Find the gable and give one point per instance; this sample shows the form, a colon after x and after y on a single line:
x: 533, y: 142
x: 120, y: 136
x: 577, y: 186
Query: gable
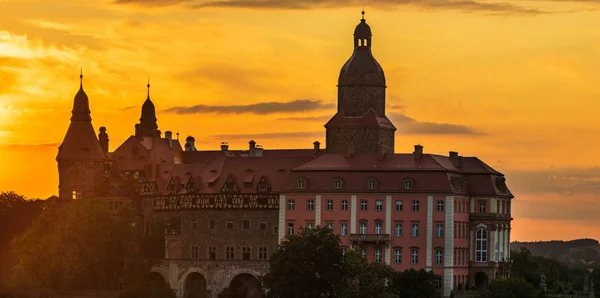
x: 230, y: 186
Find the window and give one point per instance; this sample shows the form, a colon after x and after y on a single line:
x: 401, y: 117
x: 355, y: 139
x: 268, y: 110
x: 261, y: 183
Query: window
x: 409, y: 183
x: 481, y: 206
x: 414, y: 256
x: 245, y: 252
x: 363, y: 205
x: 309, y: 226
x: 344, y: 204
x: 378, y: 255
x: 212, y: 224
x: 291, y: 228
x: 378, y: 205
x: 310, y: 204
x: 330, y: 225
x: 343, y: 229
x: 229, y: 224
x: 194, y: 252
x: 397, y: 255
x: 440, y: 205
x: 245, y: 224
x: 378, y: 228
x: 262, y: 224
x: 76, y: 195
x: 194, y: 224
x: 481, y: 239
x: 262, y: 253
x: 337, y: 183
x: 363, y: 228
x: 364, y: 252
x: 301, y: 183
x: 439, y: 257
x: 371, y: 184
x: 398, y: 230
x: 439, y: 230
x: 212, y: 252
x: 415, y: 230
x: 329, y: 205
x: 230, y: 252
x: 415, y: 206
x: 291, y: 204
x: 275, y: 230
x: 399, y: 205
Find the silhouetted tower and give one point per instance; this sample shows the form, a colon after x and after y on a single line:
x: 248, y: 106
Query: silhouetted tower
x: 147, y: 126
x: 360, y: 122
x: 80, y: 157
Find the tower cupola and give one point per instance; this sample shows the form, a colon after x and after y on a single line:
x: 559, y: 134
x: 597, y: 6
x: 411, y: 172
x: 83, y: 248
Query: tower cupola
x: 147, y: 125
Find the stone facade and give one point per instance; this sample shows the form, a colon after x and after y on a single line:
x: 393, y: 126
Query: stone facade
x: 357, y: 100
x: 359, y: 139
x: 80, y: 178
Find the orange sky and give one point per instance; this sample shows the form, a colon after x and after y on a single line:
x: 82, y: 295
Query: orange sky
x: 512, y: 82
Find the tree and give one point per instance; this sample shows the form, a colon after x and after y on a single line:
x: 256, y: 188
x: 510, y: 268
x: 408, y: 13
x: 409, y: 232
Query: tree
x: 415, y: 284
x: 310, y: 264
x: 511, y: 288
x: 80, y: 245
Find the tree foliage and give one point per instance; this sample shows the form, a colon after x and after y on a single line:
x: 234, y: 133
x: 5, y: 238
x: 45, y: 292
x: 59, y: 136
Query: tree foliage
x: 79, y: 245
x: 510, y: 288
x: 312, y: 264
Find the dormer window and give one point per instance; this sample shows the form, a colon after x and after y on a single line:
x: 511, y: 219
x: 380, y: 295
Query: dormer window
x: 301, y: 183
x: 338, y: 183
x: 409, y: 183
x: 372, y: 183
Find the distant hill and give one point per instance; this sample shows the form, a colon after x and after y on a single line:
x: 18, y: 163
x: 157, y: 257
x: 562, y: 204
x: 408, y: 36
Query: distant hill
x: 576, y: 253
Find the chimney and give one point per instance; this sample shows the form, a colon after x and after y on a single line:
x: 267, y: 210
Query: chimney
x: 169, y: 136
x: 259, y: 151
x: 103, y: 139
x: 317, y: 146
x: 418, y: 151
x: 455, y: 159
x: 157, y: 134
x: 224, y: 146
x: 349, y: 152
x: 252, y: 147
x: 190, y: 144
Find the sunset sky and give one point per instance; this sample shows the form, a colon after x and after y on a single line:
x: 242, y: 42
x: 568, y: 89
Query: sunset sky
x: 516, y: 83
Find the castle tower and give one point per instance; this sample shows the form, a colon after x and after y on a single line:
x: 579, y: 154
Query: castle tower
x: 360, y: 122
x: 80, y: 157
x: 147, y: 126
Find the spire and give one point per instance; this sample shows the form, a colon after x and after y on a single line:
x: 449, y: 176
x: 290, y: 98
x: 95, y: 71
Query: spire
x: 363, y: 13
x: 81, y: 106
x: 148, y: 98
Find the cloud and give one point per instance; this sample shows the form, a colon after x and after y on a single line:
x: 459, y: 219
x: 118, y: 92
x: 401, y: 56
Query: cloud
x: 270, y: 135
x: 262, y: 108
x: 308, y: 118
x: 408, y: 125
x: 563, y: 181
x: 460, y: 5
x: 22, y: 146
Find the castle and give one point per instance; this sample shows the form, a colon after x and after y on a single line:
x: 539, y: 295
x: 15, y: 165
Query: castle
x: 224, y: 211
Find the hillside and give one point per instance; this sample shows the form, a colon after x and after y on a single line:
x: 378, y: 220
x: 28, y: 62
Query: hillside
x: 575, y: 253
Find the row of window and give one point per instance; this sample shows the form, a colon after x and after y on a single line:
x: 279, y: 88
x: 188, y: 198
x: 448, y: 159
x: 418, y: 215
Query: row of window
x: 230, y: 224
x: 372, y: 183
x: 230, y: 253
x: 414, y: 255
x: 461, y: 256
x: 364, y: 205
x: 378, y: 228
x: 461, y: 230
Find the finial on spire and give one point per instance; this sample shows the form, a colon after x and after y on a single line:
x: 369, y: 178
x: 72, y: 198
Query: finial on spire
x: 148, y: 87
x: 363, y: 12
x: 81, y: 76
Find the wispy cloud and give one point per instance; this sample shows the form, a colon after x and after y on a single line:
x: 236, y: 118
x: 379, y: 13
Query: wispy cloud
x: 29, y: 146
x: 270, y: 135
x: 564, y: 181
x: 408, y: 125
x: 308, y: 118
x: 256, y: 108
x: 460, y: 5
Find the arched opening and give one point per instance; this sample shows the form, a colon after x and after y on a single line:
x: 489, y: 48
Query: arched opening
x: 481, y: 280
x: 195, y: 286
x: 156, y: 284
x: 245, y: 286
x: 360, y: 42
x: 365, y: 43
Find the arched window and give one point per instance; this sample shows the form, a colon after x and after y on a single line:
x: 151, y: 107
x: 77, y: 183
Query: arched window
x: 481, y: 242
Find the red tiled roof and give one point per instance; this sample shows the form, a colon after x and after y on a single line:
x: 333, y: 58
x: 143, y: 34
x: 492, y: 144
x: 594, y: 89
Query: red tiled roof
x: 281, y: 168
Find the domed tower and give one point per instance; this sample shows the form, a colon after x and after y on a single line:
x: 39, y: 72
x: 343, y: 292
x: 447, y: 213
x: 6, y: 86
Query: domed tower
x: 360, y: 122
x: 80, y: 157
x: 147, y: 126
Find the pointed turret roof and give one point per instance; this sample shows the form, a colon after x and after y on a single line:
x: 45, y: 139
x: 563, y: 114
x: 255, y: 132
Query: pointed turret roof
x: 80, y: 142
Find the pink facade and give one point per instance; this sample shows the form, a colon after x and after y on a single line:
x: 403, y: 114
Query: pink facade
x: 421, y: 231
